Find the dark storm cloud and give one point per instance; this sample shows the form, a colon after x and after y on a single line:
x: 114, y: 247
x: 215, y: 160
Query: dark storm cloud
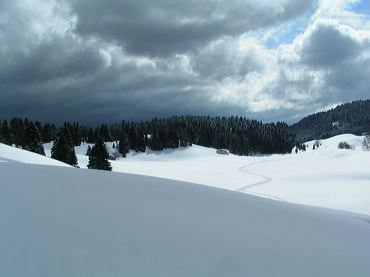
x: 54, y: 75
x: 63, y: 77
x: 96, y: 101
x: 104, y: 61
x: 165, y: 27
x: 28, y: 58
x: 347, y: 82
x: 55, y: 58
x: 341, y: 55
x: 329, y: 46
x: 224, y: 59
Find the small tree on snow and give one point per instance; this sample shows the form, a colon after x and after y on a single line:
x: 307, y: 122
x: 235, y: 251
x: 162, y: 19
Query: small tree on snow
x: 316, y: 144
x: 344, y: 145
x: 32, y: 139
x: 63, y: 148
x: 98, y: 158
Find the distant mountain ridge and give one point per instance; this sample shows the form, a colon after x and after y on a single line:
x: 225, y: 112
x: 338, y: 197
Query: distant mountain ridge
x: 351, y: 117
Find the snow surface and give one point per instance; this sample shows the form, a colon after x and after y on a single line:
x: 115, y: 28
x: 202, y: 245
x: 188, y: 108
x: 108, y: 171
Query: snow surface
x: 326, y: 177
x: 12, y: 154
x: 58, y: 221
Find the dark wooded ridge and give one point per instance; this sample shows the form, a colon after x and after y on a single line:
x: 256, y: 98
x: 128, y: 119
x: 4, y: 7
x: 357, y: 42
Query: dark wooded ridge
x: 239, y: 135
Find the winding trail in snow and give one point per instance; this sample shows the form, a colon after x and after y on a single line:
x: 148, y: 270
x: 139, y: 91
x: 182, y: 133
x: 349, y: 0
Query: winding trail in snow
x: 5, y: 160
x: 266, y: 180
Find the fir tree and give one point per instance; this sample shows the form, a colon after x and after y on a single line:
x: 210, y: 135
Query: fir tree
x: 154, y: 142
x: 75, y: 133
x: 91, y: 136
x: 48, y: 133
x: 104, y: 133
x: 32, y: 139
x: 123, y: 146
x: 137, y: 139
x: 173, y: 140
x: 6, y: 134
x: 98, y: 158
x: 88, y: 152
x: 63, y: 149
x: 17, y: 128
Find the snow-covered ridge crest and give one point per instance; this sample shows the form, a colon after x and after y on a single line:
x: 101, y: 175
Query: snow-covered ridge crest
x: 61, y: 222
x: 12, y: 154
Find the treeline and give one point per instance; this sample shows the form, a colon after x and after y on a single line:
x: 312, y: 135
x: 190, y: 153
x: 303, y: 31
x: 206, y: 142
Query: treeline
x: 351, y: 118
x: 22, y: 133
x: 239, y: 135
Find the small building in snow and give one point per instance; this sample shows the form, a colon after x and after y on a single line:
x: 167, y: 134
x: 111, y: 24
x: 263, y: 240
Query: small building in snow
x: 222, y: 152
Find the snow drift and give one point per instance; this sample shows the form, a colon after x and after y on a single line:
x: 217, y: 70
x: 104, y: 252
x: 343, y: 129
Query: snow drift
x: 325, y: 177
x: 58, y: 221
x: 12, y: 154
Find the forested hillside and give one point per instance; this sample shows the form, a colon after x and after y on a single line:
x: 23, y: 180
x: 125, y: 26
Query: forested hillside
x: 351, y: 118
x: 239, y: 135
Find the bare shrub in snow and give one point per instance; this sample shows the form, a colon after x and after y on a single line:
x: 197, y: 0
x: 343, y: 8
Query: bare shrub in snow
x: 317, y: 144
x: 344, y: 145
x: 366, y: 143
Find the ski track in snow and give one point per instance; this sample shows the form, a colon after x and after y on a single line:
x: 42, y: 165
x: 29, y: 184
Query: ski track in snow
x: 5, y: 160
x: 266, y: 180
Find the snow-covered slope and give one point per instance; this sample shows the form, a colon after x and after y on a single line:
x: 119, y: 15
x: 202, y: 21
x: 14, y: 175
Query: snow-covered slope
x: 73, y: 222
x: 331, y: 144
x: 325, y: 177
x: 12, y: 154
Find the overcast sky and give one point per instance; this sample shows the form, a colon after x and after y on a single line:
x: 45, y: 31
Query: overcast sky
x: 103, y: 61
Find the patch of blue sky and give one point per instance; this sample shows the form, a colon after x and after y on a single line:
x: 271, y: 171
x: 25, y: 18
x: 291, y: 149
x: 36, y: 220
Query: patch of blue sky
x: 362, y: 7
x: 286, y: 32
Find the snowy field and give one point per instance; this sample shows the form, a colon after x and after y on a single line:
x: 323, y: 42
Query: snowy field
x: 12, y: 154
x: 326, y: 177
x: 58, y: 221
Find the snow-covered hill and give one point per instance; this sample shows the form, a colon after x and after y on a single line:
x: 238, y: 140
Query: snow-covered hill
x: 325, y: 177
x: 12, y: 154
x: 58, y: 221
x: 331, y: 144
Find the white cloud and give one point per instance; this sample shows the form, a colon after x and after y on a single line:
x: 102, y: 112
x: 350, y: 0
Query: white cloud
x: 229, y: 68
x: 339, y: 10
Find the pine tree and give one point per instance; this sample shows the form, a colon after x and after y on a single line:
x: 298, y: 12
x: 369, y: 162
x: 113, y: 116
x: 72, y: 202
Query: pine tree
x: 6, y: 134
x: 17, y: 128
x: 173, y: 140
x: 104, y: 133
x: 98, y: 158
x: 123, y: 144
x: 48, y: 133
x: 137, y: 139
x: 88, y: 151
x: 77, y: 136
x: 91, y: 136
x: 75, y: 133
x: 155, y: 143
x: 63, y: 149
x: 32, y: 139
